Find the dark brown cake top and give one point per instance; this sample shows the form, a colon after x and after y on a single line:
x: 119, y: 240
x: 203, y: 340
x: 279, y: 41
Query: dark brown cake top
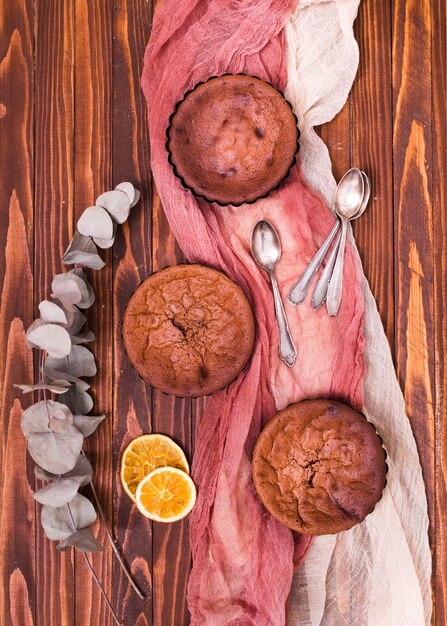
x: 319, y: 467
x: 233, y: 139
x: 188, y: 330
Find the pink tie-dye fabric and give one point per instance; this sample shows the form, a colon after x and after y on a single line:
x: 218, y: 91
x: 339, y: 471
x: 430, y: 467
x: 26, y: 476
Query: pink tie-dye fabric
x: 243, y: 560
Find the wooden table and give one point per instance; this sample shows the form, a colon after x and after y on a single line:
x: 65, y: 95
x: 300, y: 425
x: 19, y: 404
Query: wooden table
x: 73, y: 123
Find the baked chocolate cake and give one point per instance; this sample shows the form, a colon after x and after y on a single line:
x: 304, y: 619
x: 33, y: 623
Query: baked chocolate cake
x: 319, y: 467
x: 188, y: 330
x: 233, y: 139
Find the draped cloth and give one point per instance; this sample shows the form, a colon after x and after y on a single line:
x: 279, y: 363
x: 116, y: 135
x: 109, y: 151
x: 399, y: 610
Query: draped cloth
x: 243, y: 560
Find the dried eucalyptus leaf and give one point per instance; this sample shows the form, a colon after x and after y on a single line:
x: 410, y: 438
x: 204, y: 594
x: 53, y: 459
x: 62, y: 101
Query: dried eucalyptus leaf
x: 80, y: 363
x: 128, y: 189
x: 77, y: 400
x: 87, y: 259
x: 52, y: 338
x: 70, y: 288
x: 83, y: 540
x: 87, y: 424
x: 136, y: 198
x: 117, y: 204
x: 83, y: 338
x: 52, y: 373
x: 33, y: 326
x: 52, y: 313
x: 82, y: 468
x: 89, y: 298
x: 59, y: 492
x: 56, y: 386
x: 57, y: 522
x: 96, y: 222
x: 35, y: 418
x: 56, y: 451
x: 80, y: 243
x: 104, y: 243
x: 77, y: 321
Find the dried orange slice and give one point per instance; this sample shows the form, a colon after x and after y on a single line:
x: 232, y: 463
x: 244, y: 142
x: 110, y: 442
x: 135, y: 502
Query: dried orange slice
x: 166, y: 495
x: 146, y: 453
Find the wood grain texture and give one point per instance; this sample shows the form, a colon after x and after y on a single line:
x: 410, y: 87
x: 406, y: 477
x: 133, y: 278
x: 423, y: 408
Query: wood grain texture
x: 72, y: 124
x: 439, y: 201
x: 92, y: 175
x: 131, y: 264
x: 17, y: 513
x: 53, y: 211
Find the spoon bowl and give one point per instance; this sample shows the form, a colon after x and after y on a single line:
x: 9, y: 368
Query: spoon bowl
x: 266, y: 251
x: 348, y: 197
x: 349, y: 194
x: 265, y: 246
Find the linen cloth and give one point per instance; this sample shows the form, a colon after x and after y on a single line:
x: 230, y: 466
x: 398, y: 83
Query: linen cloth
x: 242, y: 558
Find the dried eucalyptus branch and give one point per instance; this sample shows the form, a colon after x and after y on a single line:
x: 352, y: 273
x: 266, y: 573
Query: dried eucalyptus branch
x: 55, y: 429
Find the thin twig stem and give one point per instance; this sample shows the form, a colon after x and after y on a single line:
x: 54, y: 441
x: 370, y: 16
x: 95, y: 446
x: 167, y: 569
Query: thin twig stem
x: 93, y: 573
x: 97, y: 581
x: 112, y: 541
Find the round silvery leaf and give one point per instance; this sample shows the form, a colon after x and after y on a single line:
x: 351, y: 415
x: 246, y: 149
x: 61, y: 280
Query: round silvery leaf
x: 35, y: 418
x: 57, y: 522
x: 136, y: 198
x: 60, y: 418
x: 76, y: 321
x: 89, y: 298
x: 77, y: 400
x: 56, y: 452
x: 83, y: 337
x: 82, y: 468
x: 105, y: 243
x: 56, y: 386
x: 51, y: 313
x: 128, y: 189
x: 79, y: 363
x: 87, y: 259
x: 80, y: 243
x: 52, y: 338
x: 70, y: 287
x: 96, y: 222
x: 59, y: 492
x: 33, y: 326
x: 83, y: 540
x: 87, y: 424
x: 117, y: 205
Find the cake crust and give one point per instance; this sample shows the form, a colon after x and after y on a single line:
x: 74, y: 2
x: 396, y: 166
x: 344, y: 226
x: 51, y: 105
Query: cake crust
x: 233, y: 139
x: 188, y: 330
x: 319, y: 467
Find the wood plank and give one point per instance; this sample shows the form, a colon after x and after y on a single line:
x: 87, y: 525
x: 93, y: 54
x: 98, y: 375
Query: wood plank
x: 18, y: 512
x: 131, y: 264
x: 413, y: 206
x: 439, y: 181
x: 92, y: 176
x: 372, y: 151
x: 173, y: 417
x: 54, y: 103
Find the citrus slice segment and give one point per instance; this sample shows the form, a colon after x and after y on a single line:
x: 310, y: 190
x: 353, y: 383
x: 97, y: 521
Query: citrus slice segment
x: 166, y: 495
x: 146, y: 453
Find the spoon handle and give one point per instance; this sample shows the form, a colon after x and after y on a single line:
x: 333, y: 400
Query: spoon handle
x: 301, y: 287
x: 335, y: 287
x: 287, y: 350
x: 320, y: 292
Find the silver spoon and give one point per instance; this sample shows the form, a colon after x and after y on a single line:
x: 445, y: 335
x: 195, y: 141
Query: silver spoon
x: 266, y: 251
x: 346, y: 208
x: 299, y: 291
x: 320, y: 291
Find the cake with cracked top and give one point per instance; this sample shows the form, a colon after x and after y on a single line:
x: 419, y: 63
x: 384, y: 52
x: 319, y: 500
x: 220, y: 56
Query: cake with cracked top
x: 233, y: 139
x: 188, y: 330
x: 319, y: 467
